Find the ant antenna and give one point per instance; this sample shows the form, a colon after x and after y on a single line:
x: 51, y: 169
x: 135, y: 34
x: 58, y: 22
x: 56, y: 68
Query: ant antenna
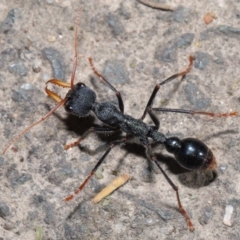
x: 75, y: 48
x: 52, y: 94
x: 34, y: 124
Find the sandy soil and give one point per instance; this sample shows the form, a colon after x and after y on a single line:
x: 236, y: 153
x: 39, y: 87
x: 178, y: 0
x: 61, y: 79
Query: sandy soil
x: 135, y: 47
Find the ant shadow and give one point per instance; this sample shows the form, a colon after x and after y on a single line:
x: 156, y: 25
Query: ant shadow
x: 191, y: 179
x: 78, y: 125
x: 220, y: 133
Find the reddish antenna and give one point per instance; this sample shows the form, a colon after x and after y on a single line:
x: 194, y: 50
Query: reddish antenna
x: 75, y: 48
x: 52, y: 94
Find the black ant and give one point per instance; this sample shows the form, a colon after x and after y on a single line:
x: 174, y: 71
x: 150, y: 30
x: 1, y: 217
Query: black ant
x: 190, y: 153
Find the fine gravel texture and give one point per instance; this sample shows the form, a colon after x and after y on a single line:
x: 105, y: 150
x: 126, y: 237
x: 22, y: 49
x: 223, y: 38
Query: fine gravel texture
x: 135, y: 47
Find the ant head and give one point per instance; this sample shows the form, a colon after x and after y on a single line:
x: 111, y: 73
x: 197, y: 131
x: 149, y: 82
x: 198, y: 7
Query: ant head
x: 79, y: 100
x: 191, y: 153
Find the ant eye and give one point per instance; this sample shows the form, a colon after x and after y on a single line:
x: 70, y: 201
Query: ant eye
x: 80, y: 85
x: 68, y: 107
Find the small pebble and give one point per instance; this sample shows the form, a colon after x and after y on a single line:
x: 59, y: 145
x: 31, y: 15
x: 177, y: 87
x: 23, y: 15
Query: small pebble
x: 223, y: 168
x: 51, y: 38
x: 27, y: 86
x: 36, y: 66
x: 99, y: 173
x: 208, y: 17
x: 228, y: 215
x: 50, y: 1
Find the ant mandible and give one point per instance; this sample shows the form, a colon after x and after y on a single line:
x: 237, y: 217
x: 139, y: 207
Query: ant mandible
x: 190, y: 153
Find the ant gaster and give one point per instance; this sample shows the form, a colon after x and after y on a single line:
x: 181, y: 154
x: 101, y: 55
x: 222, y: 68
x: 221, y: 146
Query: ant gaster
x: 190, y: 153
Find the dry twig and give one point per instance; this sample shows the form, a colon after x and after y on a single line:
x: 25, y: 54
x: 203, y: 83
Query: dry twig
x: 156, y: 5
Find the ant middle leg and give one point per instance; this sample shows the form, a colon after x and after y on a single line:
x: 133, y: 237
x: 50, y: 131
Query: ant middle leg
x: 157, y: 87
x: 109, y: 85
x: 154, y: 118
x: 151, y: 157
x: 99, y: 130
x: 100, y: 161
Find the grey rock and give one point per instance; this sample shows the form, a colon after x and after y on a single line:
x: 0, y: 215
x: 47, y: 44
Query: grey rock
x: 23, y: 178
x: 169, y: 53
x: 18, y: 68
x: 21, y: 95
x: 56, y: 61
x: 222, y: 30
x: 207, y: 215
x: 195, y: 96
x: 124, y: 10
x: 201, y: 60
x: 7, y: 55
x: 115, y: 24
x: 116, y: 71
x: 7, y: 24
x: 1, y: 161
x: 184, y: 40
x: 50, y: 214
x: 227, y: 30
x: 182, y: 15
x: 4, y: 210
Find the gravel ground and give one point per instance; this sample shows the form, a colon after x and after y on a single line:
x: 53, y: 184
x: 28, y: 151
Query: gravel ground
x: 135, y: 46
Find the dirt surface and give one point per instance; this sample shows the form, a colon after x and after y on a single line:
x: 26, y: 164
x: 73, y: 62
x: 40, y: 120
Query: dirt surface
x: 135, y: 47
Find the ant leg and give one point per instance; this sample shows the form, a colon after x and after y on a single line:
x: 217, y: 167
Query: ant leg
x: 154, y: 118
x: 109, y: 85
x: 100, y: 130
x: 157, y: 87
x: 100, y: 161
x: 191, y: 112
x: 174, y: 187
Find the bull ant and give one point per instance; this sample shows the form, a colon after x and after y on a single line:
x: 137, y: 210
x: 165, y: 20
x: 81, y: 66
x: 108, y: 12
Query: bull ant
x: 190, y: 153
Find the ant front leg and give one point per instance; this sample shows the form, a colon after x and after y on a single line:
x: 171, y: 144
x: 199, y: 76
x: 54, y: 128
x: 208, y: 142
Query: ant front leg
x: 151, y: 157
x: 100, y: 161
x: 109, y: 85
x: 157, y: 87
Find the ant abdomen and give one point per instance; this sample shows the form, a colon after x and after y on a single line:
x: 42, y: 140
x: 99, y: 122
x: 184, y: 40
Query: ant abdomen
x: 191, y: 153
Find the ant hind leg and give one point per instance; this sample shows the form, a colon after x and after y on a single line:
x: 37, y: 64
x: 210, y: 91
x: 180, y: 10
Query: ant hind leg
x: 100, y: 161
x: 151, y: 157
x: 192, y: 112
